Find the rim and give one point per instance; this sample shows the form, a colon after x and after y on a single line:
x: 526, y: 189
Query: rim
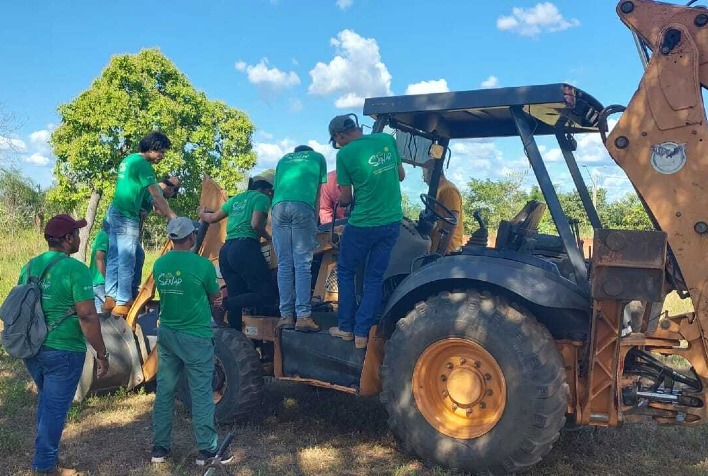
x: 219, y: 383
x: 459, y: 388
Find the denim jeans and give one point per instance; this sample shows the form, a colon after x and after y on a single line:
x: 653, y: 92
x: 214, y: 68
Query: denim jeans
x: 138, y: 273
x: 178, y: 351
x: 372, y: 247
x: 99, y: 296
x: 56, y: 374
x: 123, y: 236
x: 294, y: 228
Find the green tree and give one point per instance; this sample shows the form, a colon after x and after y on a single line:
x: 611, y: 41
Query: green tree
x: 137, y: 93
x: 627, y: 213
x: 410, y: 209
x: 498, y: 200
x: 21, y: 202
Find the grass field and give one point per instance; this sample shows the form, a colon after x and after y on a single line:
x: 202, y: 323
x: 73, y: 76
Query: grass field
x: 299, y: 430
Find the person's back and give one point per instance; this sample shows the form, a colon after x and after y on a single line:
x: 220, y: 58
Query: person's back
x: 184, y: 281
x: 67, y: 282
x: 298, y: 177
x: 369, y: 169
x: 239, y: 210
x: 370, y: 165
x: 135, y: 174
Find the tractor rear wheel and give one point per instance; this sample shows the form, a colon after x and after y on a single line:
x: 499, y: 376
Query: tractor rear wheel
x: 238, y: 377
x: 473, y: 382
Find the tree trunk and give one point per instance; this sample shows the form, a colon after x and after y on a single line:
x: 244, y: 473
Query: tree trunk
x: 85, y: 232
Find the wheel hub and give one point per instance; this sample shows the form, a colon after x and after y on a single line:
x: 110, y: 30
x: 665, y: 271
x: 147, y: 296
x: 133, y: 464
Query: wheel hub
x: 459, y: 388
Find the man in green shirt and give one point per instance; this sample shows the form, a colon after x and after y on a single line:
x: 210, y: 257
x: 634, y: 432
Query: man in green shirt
x: 186, y: 283
x: 136, y: 180
x: 298, y: 177
x: 371, y: 166
x: 68, y: 307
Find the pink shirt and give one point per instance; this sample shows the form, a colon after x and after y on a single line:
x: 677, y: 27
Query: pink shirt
x: 329, y: 195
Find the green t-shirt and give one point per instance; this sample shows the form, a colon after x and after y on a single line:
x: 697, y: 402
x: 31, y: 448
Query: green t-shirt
x: 135, y: 175
x: 68, y: 282
x: 100, y: 243
x: 298, y: 176
x: 184, y: 281
x: 370, y: 165
x: 239, y: 209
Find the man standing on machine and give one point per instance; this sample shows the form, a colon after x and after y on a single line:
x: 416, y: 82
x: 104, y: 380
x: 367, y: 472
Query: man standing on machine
x: 371, y: 166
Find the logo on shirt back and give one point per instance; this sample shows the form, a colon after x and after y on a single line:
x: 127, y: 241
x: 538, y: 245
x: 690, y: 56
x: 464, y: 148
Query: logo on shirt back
x: 121, y: 170
x: 383, y: 160
x: 171, y: 282
x: 238, y: 207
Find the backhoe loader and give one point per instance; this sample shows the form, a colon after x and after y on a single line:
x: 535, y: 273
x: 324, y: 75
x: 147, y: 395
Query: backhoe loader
x: 483, y: 355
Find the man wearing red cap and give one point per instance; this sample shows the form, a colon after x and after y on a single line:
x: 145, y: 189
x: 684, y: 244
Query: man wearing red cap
x: 68, y: 307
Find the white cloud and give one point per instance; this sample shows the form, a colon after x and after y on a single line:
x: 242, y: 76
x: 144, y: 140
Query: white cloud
x: 490, y: 82
x: 344, y: 4
x: 531, y: 22
x: 425, y: 87
x: 479, y: 158
x: 269, y: 153
x: 11, y: 144
x: 273, y: 78
x: 356, y: 71
x: 40, y: 141
x: 37, y: 159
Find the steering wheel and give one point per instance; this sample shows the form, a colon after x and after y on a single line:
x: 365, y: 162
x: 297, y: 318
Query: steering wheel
x: 431, y: 202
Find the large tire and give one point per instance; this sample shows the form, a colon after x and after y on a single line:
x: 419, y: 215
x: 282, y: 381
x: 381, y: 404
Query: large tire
x: 238, y: 377
x: 490, y: 392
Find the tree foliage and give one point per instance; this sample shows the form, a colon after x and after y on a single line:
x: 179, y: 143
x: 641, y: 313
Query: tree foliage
x: 137, y: 93
x: 21, y: 201
x: 503, y: 199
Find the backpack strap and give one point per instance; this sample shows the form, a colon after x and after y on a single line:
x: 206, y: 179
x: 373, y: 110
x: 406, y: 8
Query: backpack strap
x: 54, y: 261
x: 71, y: 311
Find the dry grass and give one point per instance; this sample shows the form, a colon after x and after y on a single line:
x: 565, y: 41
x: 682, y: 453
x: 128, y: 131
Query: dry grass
x: 306, y: 431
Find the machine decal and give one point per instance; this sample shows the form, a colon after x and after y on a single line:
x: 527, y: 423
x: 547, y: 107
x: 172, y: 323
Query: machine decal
x: 668, y: 157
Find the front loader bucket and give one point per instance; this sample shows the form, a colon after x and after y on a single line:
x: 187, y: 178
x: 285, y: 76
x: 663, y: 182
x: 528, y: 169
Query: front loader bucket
x: 125, y: 366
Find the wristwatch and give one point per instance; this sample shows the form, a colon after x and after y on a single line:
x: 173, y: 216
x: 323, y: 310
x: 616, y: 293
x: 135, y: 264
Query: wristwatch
x: 103, y: 356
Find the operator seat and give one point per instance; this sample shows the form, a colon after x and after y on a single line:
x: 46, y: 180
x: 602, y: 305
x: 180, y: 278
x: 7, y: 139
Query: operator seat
x: 512, y: 234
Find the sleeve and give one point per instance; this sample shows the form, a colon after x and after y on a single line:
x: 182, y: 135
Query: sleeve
x: 451, y: 198
x: 323, y: 169
x: 146, y: 174
x: 226, y: 207
x: 210, y: 283
x: 261, y: 203
x: 23, y: 277
x: 81, y: 283
x: 343, y: 177
x: 101, y: 242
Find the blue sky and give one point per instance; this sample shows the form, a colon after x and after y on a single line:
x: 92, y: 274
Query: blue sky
x: 293, y: 64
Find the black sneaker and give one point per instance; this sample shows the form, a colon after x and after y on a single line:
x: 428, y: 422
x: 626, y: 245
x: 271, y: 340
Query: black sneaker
x: 159, y: 454
x: 204, y: 456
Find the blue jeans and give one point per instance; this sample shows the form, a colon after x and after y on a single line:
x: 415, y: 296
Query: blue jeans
x: 294, y: 228
x: 99, y: 296
x: 372, y: 247
x: 138, y: 273
x: 56, y: 374
x: 123, y: 237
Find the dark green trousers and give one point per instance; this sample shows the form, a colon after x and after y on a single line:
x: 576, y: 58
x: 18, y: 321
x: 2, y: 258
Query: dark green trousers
x: 176, y: 351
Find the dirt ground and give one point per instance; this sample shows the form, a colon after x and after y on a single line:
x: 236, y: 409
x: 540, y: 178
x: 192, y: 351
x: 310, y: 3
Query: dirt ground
x: 300, y: 430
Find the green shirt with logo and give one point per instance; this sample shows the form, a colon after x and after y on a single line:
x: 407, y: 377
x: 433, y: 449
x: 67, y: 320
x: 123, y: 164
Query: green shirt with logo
x: 185, y: 280
x: 298, y: 176
x: 239, y: 210
x: 100, y: 243
x: 67, y: 283
x: 370, y: 165
x: 135, y: 175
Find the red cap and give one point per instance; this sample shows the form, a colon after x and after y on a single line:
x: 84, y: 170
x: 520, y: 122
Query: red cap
x: 62, y: 225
